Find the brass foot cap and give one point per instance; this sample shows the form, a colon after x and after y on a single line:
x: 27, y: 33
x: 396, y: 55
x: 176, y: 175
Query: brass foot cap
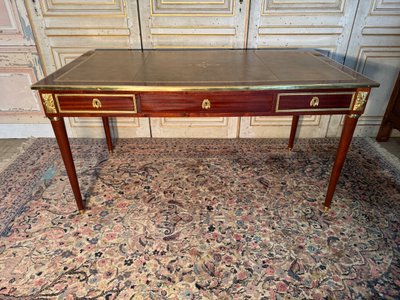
x: 290, y: 148
x: 326, y: 208
x: 81, y: 211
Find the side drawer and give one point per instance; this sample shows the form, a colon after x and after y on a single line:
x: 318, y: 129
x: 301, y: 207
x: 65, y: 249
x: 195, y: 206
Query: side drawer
x: 96, y: 103
x: 303, y: 102
x: 217, y: 102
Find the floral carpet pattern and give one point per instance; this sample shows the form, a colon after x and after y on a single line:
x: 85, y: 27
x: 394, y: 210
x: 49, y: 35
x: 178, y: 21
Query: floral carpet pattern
x: 199, y: 219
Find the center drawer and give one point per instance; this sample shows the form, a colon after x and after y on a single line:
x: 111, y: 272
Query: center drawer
x: 96, y: 103
x: 216, y: 102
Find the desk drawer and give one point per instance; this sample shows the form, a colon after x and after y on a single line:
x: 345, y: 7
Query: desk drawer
x: 303, y: 102
x: 96, y: 103
x: 217, y: 102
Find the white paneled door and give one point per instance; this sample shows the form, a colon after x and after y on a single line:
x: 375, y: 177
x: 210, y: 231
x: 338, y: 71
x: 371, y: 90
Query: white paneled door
x: 20, y: 107
x: 323, y: 25
x: 374, y: 50
x: 65, y: 29
x: 194, y: 24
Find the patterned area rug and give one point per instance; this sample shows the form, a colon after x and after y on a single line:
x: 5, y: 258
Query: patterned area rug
x: 200, y: 219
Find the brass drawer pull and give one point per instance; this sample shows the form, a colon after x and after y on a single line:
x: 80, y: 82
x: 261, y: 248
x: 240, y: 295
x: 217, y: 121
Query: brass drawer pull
x: 206, y: 104
x: 314, y: 102
x: 96, y: 103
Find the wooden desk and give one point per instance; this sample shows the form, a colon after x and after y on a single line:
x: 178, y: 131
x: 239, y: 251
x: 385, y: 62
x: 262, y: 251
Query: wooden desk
x: 203, y: 83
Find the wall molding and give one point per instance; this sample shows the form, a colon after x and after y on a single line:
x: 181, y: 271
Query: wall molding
x: 94, y: 8
x: 302, y: 7
x: 197, y: 8
x: 385, y: 8
x: 284, y: 121
x: 194, y: 122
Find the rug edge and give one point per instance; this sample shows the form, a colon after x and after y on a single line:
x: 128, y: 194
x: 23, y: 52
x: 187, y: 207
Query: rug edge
x: 4, y: 164
x: 390, y: 158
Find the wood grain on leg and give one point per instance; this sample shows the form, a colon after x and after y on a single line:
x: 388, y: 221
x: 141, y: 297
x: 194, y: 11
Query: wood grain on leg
x: 295, y: 122
x: 106, y: 124
x: 345, y: 140
x: 63, y: 144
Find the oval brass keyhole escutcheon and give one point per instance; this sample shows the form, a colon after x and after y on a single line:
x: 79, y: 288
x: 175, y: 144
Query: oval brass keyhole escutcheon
x: 96, y: 103
x: 206, y: 104
x: 314, y: 102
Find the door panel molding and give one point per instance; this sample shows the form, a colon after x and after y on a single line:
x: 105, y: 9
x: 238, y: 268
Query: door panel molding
x: 269, y: 7
x: 199, y: 8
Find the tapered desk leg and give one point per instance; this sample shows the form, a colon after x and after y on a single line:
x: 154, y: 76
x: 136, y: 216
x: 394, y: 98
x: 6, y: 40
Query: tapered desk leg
x: 345, y: 140
x: 293, y: 130
x: 107, y: 131
x: 63, y: 144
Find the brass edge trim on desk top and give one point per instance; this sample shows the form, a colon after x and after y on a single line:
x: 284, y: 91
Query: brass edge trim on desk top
x: 97, y: 111
x: 129, y: 88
